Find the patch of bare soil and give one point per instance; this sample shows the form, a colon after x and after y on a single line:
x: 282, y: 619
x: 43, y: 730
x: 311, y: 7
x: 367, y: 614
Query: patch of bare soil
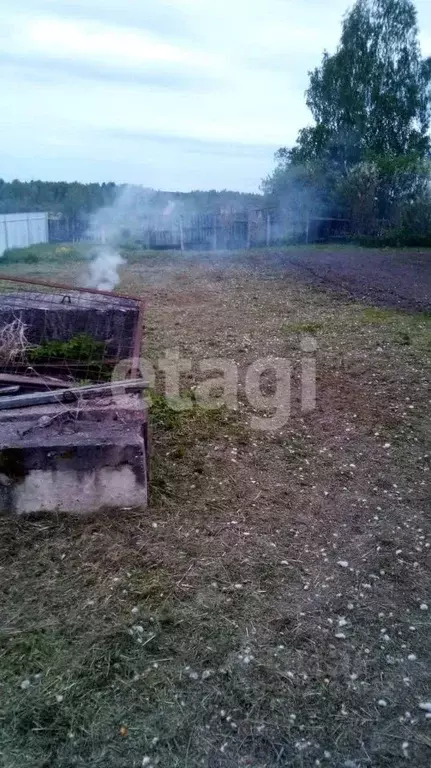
x: 396, y: 278
x: 272, y: 607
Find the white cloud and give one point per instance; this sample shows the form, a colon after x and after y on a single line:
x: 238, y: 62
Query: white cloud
x: 94, y: 41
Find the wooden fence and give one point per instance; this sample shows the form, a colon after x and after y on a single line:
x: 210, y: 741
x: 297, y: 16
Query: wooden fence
x: 240, y: 230
x: 221, y: 231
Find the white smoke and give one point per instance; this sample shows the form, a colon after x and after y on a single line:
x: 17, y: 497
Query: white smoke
x: 170, y: 208
x: 103, y: 270
x: 110, y: 227
x: 106, y: 230
x: 130, y: 220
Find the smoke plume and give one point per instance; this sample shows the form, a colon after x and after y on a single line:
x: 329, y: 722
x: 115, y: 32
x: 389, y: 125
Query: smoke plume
x: 107, y: 231
x: 103, y: 270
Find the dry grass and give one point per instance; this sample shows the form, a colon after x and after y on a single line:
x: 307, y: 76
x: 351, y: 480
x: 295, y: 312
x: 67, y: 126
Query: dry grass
x: 269, y: 608
x: 13, y: 341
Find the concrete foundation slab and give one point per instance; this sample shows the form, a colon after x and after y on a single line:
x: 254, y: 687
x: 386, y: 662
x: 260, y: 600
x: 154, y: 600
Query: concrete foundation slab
x: 80, y: 460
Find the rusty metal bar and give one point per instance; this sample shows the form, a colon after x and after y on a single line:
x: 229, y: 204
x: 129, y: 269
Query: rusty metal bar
x: 63, y: 287
x: 137, y: 342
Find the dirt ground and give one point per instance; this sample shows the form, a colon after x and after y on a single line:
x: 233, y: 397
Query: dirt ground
x: 272, y: 606
x: 399, y: 279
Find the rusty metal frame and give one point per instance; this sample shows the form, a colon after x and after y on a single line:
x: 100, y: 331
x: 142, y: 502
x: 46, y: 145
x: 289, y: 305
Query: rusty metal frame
x: 63, y: 287
x: 138, y: 333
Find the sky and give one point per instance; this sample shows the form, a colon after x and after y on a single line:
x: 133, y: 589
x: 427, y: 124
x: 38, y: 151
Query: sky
x: 170, y: 94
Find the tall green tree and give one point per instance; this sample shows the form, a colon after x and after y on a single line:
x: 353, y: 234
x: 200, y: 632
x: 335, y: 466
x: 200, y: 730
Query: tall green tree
x: 370, y: 102
x: 373, y: 95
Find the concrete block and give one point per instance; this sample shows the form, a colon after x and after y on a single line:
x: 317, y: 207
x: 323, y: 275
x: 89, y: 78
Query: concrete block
x: 81, y: 461
x: 59, y: 317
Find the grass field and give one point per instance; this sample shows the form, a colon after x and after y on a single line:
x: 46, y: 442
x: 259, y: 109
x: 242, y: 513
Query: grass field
x: 272, y: 606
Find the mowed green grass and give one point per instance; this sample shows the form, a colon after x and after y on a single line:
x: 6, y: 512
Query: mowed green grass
x: 271, y: 607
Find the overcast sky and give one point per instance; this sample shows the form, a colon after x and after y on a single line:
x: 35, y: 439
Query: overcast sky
x: 171, y: 94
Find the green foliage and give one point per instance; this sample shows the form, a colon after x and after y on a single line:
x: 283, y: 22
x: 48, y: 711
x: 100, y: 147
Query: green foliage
x: 81, y: 347
x: 302, y: 327
x: 75, y: 201
x: 85, y: 355
x: 44, y: 253
x: 378, y: 315
x: 372, y: 95
x: 396, y: 238
x: 400, y: 328
x: 69, y: 199
x: 366, y: 156
x: 191, y: 423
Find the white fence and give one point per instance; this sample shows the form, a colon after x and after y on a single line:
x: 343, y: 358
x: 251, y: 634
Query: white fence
x: 19, y: 230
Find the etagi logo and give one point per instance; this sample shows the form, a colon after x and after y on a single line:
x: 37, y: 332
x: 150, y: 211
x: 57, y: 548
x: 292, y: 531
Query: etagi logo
x: 223, y: 376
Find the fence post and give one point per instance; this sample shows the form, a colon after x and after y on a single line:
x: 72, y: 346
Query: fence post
x: 28, y: 230
x: 215, y: 232
x: 181, y: 234
x: 307, y: 228
x: 268, y: 229
x: 248, y: 230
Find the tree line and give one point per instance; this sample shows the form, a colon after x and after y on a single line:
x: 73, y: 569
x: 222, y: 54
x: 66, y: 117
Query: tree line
x: 77, y: 201
x: 366, y: 157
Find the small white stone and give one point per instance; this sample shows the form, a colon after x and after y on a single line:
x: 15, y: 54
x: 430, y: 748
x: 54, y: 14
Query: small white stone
x: 25, y: 684
x: 382, y: 703
x: 135, y: 610
x: 146, y: 761
x: 59, y: 698
x: 424, y: 607
x: 412, y: 657
x: 343, y: 563
x: 426, y: 706
x: 340, y: 636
